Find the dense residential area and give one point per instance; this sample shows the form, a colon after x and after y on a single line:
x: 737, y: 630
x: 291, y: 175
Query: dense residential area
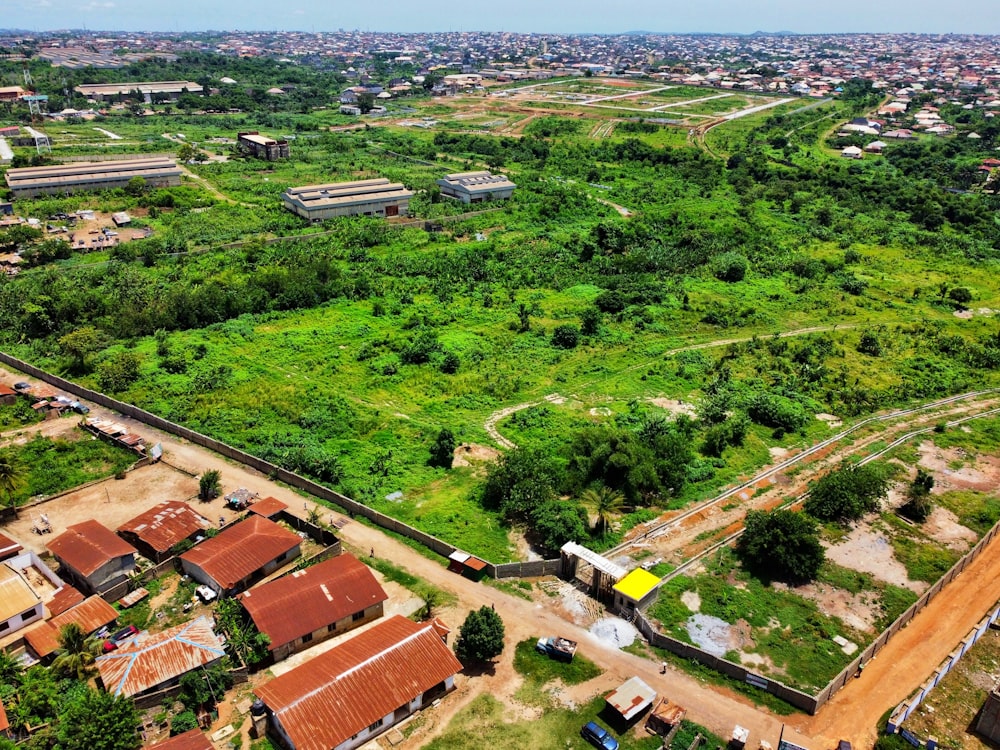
x: 439, y: 390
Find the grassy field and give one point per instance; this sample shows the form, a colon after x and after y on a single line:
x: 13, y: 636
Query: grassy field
x: 52, y: 466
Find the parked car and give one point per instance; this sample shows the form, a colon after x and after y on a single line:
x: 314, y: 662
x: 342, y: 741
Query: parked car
x: 22, y: 387
x: 598, y: 736
x: 120, y: 637
x: 205, y: 594
x: 79, y: 408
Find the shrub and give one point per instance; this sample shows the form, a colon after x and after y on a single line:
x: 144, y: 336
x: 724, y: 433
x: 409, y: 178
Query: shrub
x: 480, y: 638
x: 731, y: 267
x: 566, y: 336
x: 847, y: 493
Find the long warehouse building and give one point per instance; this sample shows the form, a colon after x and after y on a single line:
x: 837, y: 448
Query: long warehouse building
x: 146, y: 89
x: 100, y: 175
x: 377, y: 197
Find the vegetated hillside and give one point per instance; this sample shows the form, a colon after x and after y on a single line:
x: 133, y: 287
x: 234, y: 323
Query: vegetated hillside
x: 343, y: 356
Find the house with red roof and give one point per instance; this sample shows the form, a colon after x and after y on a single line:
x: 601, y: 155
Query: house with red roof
x: 156, y: 532
x: 355, y: 691
x: 91, y: 615
x: 193, y: 739
x: 311, y: 605
x: 93, y: 557
x: 152, y: 662
x: 241, y: 555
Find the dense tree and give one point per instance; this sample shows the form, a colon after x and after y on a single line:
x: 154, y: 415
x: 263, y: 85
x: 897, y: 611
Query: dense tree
x: 209, y: 485
x: 443, y: 450
x: 243, y: 641
x: 80, y: 343
x: 918, y: 503
x: 566, y: 336
x: 781, y: 544
x: 518, y: 482
x: 480, y: 638
x: 731, y: 267
x: 848, y: 493
x: 98, y: 720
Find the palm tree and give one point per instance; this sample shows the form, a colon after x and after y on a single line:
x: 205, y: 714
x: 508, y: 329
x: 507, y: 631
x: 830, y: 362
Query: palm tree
x: 76, y: 652
x: 11, y: 476
x: 605, y: 501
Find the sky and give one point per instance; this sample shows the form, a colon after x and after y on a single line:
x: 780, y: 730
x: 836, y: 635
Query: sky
x: 552, y: 16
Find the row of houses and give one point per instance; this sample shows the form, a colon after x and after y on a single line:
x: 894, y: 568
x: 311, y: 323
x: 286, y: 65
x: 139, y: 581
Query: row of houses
x: 339, y: 699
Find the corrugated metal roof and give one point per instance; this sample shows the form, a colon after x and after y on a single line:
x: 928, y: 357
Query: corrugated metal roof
x: 631, y: 697
x: 339, y: 693
x: 268, y: 507
x: 193, y: 739
x: 87, y: 546
x: 241, y: 549
x: 92, y: 614
x: 166, y: 524
x: 307, y: 600
x: 603, y: 564
x: 8, y: 547
x: 16, y: 595
x: 65, y: 597
x: 150, y: 659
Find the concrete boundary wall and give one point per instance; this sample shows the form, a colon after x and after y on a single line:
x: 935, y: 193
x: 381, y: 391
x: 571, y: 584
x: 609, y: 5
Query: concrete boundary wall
x: 350, y: 506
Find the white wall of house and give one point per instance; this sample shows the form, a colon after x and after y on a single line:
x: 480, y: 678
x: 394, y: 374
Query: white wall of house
x: 18, y: 621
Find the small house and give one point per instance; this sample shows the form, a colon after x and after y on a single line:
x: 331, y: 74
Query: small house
x: 346, y: 696
x: 636, y: 590
x: 20, y: 605
x: 93, y: 557
x: 466, y: 565
x: 91, y: 615
x: 151, y: 662
x: 311, y: 605
x: 193, y: 739
x: 631, y: 698
x: 852, y: 152
x: 241, y: 555
x: 157, y: 531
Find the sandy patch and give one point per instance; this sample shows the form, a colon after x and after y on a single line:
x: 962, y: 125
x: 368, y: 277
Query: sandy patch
x: 871, y: 552
x: 942, y: 526
x: 673, y: 406
x: 469, y: 454
x: 555, y: 398
x: 963, y: 314
x: 981, y: 473
x: 614, y: 632
x: 832, y: 420
x: 778, y: 453
x: 600, y: 411
x: 858, y: 611
x: 709, y: 633
x: 691, y: 600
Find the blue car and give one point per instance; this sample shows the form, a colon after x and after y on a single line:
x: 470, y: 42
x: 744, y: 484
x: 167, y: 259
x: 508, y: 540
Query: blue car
x: 598, y: 736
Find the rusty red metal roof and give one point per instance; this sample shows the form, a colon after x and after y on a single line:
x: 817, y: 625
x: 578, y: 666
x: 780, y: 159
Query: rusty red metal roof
x: 336, y: 694
x: 241, y: 549
x: 6, y: 390
x: 307, y: 600
x: 165, y: 524
x: 268, y: 507
x: 8, y: 547
x: 4, y: 723
x: 92, y: 614
x: 193, y: 739
x: 64, y: 598
x: 87, y: 546
x: 151, y: 659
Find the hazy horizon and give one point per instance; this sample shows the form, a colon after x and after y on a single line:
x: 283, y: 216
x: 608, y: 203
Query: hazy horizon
x: 518, y: 16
